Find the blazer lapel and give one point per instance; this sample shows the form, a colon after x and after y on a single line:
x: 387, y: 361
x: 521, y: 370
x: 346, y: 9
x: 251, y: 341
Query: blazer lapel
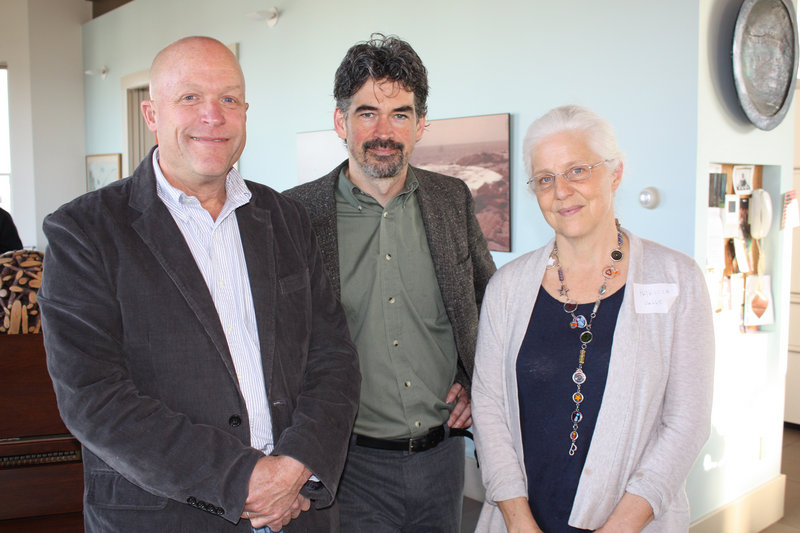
x: 255, y: 228
x: 323, y: 221
x: 436, y: 226
x: 165, y: 241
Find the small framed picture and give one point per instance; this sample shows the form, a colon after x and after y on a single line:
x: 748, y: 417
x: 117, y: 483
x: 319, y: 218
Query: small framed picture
x: 743, y: 179
x: 102, y: 169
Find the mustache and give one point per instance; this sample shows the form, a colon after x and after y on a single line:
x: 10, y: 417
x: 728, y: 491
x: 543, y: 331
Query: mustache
x: 383, y: 143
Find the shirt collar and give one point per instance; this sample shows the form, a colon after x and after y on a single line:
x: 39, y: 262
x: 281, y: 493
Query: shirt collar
x: 236, y: 192
x: 348, y: 189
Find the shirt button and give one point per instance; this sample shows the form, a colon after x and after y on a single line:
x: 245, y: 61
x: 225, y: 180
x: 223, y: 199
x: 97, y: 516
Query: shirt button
x: 385, y: 214
x: 388, y: 257
x: 391, y: 299
x: 407, y: 384
x: 222, y: 283
x: 396, y: 343
x: 417, y: 424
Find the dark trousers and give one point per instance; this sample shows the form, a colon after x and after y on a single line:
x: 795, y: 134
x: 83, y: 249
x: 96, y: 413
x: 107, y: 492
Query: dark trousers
x: 385, y: 491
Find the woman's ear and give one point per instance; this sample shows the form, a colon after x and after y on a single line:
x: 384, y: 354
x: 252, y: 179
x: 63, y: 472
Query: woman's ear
x: 616, y: 176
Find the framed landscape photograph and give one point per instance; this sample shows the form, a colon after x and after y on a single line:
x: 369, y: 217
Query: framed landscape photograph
x: 102, y: 169
x: 473, y: 149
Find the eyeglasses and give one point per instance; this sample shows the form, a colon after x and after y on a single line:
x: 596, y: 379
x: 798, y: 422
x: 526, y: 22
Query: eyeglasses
x: 545, y: 180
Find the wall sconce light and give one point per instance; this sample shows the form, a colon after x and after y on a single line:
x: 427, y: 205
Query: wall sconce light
x: 270, y: 16
x: 103, y: 72
x: 649, y: 198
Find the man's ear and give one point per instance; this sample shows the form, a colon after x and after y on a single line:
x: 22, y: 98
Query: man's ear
x: 149, y: 114
x: 421, y: 123
x: 340, y: 123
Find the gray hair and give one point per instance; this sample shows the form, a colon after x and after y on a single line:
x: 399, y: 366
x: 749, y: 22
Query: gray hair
x: 600, y: 136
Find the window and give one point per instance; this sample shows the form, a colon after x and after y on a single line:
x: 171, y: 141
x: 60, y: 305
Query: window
x: 5, y: 145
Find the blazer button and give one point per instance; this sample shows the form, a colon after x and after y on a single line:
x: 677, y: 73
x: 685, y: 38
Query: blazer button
x: 220, y: 511
x: 235, y: 421
x: 191, y: 500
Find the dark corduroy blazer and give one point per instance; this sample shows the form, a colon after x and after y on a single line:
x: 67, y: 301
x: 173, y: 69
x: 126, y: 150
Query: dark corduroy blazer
x: 458, y: 248
x: 142, y: 370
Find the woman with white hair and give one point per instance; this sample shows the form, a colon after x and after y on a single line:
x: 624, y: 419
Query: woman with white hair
x: 593, y: 374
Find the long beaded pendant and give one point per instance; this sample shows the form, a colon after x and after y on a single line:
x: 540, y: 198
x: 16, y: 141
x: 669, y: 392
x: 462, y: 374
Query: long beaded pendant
x: 579, y: 322
x: 579, y: 378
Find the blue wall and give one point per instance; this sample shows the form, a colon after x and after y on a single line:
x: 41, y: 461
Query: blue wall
x: 633, y: 62
x: 658, y: 71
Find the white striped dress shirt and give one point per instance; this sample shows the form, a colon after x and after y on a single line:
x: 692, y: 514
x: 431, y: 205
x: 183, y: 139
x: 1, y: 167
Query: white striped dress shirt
x: 217, y: 249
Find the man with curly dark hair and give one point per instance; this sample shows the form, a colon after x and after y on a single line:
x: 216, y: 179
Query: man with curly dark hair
x: 407, y: 258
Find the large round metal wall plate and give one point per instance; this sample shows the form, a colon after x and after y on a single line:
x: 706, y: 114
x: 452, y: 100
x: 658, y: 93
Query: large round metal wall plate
x: 765, y: 60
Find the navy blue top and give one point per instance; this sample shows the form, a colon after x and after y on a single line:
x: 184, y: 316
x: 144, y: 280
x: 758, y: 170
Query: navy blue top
x: 545, y: 364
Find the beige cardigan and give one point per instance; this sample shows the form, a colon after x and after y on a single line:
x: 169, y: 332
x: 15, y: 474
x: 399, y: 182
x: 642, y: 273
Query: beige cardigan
x: 655, y: 414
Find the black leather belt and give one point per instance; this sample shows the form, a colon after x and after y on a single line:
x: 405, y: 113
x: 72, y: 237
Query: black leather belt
x: 430, y: 440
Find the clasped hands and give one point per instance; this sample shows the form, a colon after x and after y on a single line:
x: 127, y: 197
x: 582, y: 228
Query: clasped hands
x: 274, y: 498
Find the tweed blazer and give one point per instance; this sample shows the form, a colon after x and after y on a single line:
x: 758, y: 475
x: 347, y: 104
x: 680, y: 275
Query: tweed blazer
x: 143, y: 374
x: 458, y: 248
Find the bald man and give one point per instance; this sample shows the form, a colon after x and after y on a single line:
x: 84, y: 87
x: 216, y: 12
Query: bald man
x: 195, y: 345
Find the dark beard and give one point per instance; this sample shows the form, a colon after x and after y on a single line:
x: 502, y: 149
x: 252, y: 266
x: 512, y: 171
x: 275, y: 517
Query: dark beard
x: 382, y: 166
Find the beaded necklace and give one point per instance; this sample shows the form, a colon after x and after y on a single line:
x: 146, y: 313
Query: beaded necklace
x: 579, y: 322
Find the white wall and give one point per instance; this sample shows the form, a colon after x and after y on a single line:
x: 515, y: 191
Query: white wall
x: 745, y: 447
x: 792, y: 403
x: 40, y: 40
x: 14, y: 37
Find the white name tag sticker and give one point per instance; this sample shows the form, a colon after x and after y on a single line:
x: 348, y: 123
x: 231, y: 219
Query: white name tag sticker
x: 654, y: 297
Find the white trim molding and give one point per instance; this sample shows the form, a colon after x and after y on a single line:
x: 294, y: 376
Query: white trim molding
x: 750, y: 513
x: 132, y: 81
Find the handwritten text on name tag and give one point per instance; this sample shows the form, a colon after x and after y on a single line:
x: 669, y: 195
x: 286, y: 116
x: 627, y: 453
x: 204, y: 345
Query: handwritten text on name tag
x: 654, y: 297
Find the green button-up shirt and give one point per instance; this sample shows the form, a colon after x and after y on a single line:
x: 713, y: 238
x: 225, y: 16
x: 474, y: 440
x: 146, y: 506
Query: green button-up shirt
x: 395, y: 312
